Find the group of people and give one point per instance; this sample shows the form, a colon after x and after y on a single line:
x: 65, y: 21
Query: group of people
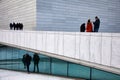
x: 91, y: 27
x: 27, y: 61
x: 16, y: 26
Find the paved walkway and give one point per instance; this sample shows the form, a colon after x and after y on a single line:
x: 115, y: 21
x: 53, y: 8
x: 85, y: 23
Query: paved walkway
x: 13, y: 75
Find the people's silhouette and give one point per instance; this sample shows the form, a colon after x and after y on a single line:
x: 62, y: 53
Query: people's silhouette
x: 14, y: 25
x: 82, y: 28
x: 20, y: 26
x: 11, y: 26
x: 27, y: 61
x: 17, y: 26
x: 96, y: 24
x: 36, y: 61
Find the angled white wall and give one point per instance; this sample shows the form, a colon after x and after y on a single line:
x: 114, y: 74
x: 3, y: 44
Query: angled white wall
x: 100, y: 48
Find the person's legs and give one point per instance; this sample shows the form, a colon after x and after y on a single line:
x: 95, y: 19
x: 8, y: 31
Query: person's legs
x: 14, y: 27
x: 96, y: 29
x: 34, y: 67
x: 28, y: 68
x: 37, y: 68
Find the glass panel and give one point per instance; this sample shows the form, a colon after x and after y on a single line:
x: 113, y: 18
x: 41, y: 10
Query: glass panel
x: 1, y: 57
x: 80, y: 71
x: 102, y: 75
x: 9, y: 57
x: 3, y: 61
x: 21, y: 64
x: 31, y: 63
x: 59, y: 67
x: 44, y: 64
x: 15, y: 59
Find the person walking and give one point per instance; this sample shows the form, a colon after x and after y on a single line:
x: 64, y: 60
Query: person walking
x: 89, y: 26
x: 36, y: 59
x: 96, y: 24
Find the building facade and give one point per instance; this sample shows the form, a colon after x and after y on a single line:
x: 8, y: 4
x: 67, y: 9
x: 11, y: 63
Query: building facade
x: 18, y: 11
x: 60, y: 15
x: 90, y: 56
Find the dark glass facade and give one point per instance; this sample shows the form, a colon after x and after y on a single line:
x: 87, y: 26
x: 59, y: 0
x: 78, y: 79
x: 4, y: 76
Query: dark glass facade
x: 11, y: 58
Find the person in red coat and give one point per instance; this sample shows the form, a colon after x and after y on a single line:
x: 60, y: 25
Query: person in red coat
x: 89, y: 26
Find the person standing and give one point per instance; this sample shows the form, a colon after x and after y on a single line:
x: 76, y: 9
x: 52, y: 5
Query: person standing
x: 96, y: 24
x: 11, y: 26
x: 36, y: 61
x: 28, y: 61
x: 21, y: 26
x: 14, y: 25
x: 82, y: 28
x: 17, y: 26
x: 89, y: 26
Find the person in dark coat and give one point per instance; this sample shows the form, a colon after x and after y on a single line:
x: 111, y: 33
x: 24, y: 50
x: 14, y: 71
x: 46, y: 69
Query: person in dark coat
x: 21, y: 26
x: 36, y: 60
x: 17, y: 26
x: 82, y: 28
x: 11, y: 26
x: 14, y: 25
x: 28, y: 61
x: 96, y: 24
